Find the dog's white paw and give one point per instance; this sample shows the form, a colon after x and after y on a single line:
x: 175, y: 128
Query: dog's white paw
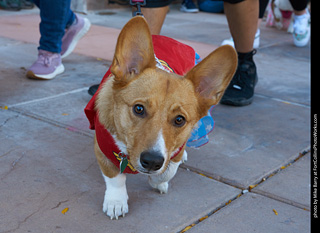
x: 115, y: 201
x: 162, y: 187
x: 115, y: 208
x: 184, y: 157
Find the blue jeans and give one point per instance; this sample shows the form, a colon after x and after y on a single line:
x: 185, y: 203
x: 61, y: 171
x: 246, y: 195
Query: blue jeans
x: 211, y: 6
x: 56, y: 16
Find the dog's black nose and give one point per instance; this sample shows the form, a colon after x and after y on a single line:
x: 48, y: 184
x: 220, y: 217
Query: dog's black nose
x: 151, y: 160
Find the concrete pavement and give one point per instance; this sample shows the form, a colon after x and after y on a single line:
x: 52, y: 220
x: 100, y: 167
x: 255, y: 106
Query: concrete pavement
x: 253, y: 175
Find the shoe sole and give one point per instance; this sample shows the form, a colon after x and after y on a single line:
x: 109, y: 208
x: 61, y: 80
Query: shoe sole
x: 58, y: 70
x: 182, y: 9
x: 190, y: 11
x: 76, y: 39
x: 302, y: 43
x: 238, y: 103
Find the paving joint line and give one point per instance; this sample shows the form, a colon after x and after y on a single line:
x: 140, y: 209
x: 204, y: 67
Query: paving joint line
x: 247, y: 190
x: 210, y: 213
x: 49, y: 97
x: 283, y: 101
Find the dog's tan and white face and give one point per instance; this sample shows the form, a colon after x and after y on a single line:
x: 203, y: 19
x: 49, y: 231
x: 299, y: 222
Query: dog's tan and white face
x: 151, y: 112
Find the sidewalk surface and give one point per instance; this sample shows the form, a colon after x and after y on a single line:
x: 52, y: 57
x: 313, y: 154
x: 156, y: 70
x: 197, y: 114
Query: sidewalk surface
x: 253, y: 175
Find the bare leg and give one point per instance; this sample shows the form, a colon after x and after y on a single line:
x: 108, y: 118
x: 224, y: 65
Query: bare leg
x: 243, y: 20
x: 155, y: 18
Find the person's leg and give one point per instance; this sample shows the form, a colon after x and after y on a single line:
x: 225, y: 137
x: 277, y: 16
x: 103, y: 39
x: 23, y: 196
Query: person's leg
x: 243, y: 20
x: 262, y: 7
x: 155, y: 12
x: 55, y: 16
x: 155, y: 18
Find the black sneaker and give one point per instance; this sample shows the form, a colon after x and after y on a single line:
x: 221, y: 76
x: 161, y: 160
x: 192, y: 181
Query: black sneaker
x: 188, y: 6
x: 93, y: 89
x: 241, y: 88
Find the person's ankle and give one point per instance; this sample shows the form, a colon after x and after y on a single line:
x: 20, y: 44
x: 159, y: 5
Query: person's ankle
x: 246, y: 56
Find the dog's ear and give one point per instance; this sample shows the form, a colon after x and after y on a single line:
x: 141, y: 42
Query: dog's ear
x: 212, y: 76
x: 134, y: 51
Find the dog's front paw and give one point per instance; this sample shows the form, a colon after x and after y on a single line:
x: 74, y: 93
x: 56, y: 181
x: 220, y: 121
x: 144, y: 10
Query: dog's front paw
x: 115, y: 208
x: 184, y: 157
x: 162, y: 187
x: 115, y: 201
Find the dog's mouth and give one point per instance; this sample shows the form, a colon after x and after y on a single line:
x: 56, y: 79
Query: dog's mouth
x: 146, y: 172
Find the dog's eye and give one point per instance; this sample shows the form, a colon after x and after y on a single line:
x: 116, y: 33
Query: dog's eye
x: 179, y: 121
x: 138, y: 109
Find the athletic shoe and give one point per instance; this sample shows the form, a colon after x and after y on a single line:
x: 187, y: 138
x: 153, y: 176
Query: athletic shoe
x: 93, y: 89
x: 188, y: 6
x: 73, y: 34
x: 241, y: 88
x: 301, y: 29
x: 47, y: 66
x: 256, y: 42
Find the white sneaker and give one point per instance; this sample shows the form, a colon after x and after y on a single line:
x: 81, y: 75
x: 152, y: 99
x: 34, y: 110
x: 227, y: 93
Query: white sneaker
x: 301, y: 29
x: 256, y: 42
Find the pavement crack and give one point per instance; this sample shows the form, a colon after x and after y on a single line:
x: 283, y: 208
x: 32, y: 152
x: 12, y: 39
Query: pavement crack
x: 8, y: 119
x: 92, y: 164
x: 13, y: 165
x: 17, y: 160
x: 23, y: 221
x: 7, y: 153
x: 60, y: 202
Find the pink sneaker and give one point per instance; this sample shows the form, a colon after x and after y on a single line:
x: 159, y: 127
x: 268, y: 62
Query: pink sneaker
x: 73, y: 34
x: 47, y: 66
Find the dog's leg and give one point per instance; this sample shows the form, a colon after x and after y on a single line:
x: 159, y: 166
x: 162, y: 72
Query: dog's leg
x: 161, y: 182
x: 116, y: 197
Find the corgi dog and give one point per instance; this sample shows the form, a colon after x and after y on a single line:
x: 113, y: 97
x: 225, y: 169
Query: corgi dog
x: 143, y: 114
